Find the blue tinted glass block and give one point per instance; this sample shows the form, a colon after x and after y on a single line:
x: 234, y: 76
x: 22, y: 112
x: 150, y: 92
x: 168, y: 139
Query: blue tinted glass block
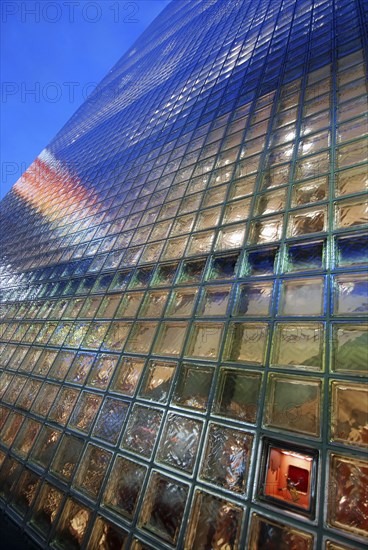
x: 305, y: 256
x: 262, y: 262
x: 351, y: 250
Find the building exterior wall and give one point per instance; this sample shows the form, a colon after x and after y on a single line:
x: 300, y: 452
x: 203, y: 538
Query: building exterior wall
x: 183, y: 327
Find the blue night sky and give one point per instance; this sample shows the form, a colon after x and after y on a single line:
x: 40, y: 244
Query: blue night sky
x: 52, y: 55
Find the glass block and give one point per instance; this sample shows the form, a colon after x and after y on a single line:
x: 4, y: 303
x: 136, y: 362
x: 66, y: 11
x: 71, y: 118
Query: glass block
x: 254, y: 299
x: 80, y: 368
x: 226, y: 458
x: 275, y: 176
x: 183, y: 224
x: 237, y: 394
x: 24, y: 492
x: 309, y: 191
x: 102, y: 371
x: 350, y: 348
x: 179, y: 442
x: 14, y: 389
x: 267, y: 533
x: 294, y: 404
x: 214, y: 523
x: 157, y: 381
x: 61, y: 365
x: 347, y: 498
x: 230, y: 237
x: 67, y: 457
x: 335, y: 546
x: 141, y: 337
x: 271, y: 202
x: 91, y: 470
x: 76, y: 334
x: 242, y: 187
x: 28, y: 394
x: 246, y: 343
x: 350, y: 296
x: 304, y: 222
x: 351, y: 212
x: 90, y: 307
x: 223, y: 267
x: 353, y: 180
x: 9, y: 474
x: 174, y: 248
x: 64, y: 405
x: 236, y: 211
x: 11, y: 428
x: 214, y: 301
x: 302, y: 297
x: 45, y: 399
x: 141, y: 278
x: 153, y: 304
x: 163, y: 507
x: 261, y: 262
x: 124, y: 487
x: 85, y: 411
x: 298, y: 345
x: 26, y: 436
x: 352, y: 153
x: 44, y: 363
x: 288, y: 477
x: 164, y: 274
x: 107, y: 535
x: 110, y: 420
x: 193, y: 386
x: 208, y: 218
x: 116, y: 336
x: 205, y: 340
x: 142, y: 429
x: 352, y: 129
x: 349, y: 413
x: 313, y: 166
x: 72, y: 526
x: 46, y: 509
x: 192, y: 271
x: 45, y: 445
x: 351, y: 250
x: 127, y: 376
x: 200, y: 243
x: 266, y: 230
x: 170, y: 339
x: 305, y: 256
x: 182, y: 302
x: 129, y: 304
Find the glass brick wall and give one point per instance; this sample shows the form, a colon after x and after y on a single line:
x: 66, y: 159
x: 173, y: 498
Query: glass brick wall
x: 183, y: 327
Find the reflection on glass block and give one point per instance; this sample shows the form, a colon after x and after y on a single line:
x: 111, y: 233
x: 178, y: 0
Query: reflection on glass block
x: 164, y: 274
x: 298, y: 345
x: 288, y: 477
x: 266, y: 533
x: 193, y: 386
x: 214, y: 301
x: 214, y: 523
x: 72, y: 526
x: 305, y: 256
x: 223, y: 267
x: 141, y: 337
x: 266, y: 230
x: 254, y: 299
x: 95, y: 335
x: 302, y: 296
x: 353, y: 180
x: 261, y: 262
x: 44, y: 363
x: 163, y: 508
x: 351, y: 212
x: 85, y: 411
x: 179, y: 442
x: 294, y: 404
x: 230, y: 237
x: 141, y: 431
x: 124, y: 487
x: 141, y: 278
x: 102, y: 371
x: 246, y: 342
x: 182, y: 302
x: 174, y: 248
x: 44, y: 448
x: 129, y: 305
x: 157, y: 381
x: 205, y: 340
x: 61, y: 365
x: 347, y: 499
x: 349, y: 413
x: 127, y: 376
x: 351, y: 292
x: 67, y: 457
x: 313, y: 167
x: 79, y: 370
x: 64, y: 404
x: 351, y: 250
x: 26, y: 436
x: 153, y: 304
x: 271, y: 202
x: 350, y: 348
x: 170, y: 339
x: 227, y: 457
x: 236, y: 211
x: 116, y: 336
x: 352, y: 129
x: 308, y: 221
x: 110, y: 420
x: 24, y: 492
x: 9, y: 474
x: 309, y: 192
x: 334, y: 546
x: 200, y: 243
x: 91, y: 470
x: 192, y: 271
x: 352, y: 153
x: 106, y: 535
x: 237, y: 394
x: 46, y: 509
x: 28, y: 394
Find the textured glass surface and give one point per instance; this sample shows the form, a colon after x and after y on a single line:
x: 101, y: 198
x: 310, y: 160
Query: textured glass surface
x: 183, y: 292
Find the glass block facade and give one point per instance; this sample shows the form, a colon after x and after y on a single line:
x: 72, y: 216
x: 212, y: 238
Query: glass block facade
x: 183, y: 327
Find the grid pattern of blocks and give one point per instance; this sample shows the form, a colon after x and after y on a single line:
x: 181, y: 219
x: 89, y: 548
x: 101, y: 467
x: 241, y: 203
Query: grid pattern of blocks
x: 183, y: 333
